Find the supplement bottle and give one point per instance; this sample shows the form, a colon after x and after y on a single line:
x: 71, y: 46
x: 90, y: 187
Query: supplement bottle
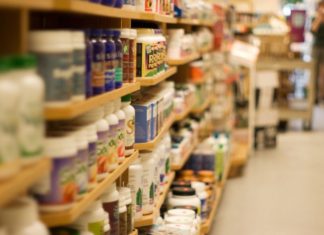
x: 156, y: 159
x: 30, y: 130
x: 122, y: 215
x: 135, y: 183
x: 93, y: 219
x: 9, y: 97
x: 110, y: 58
x: 183, y: 197
x: 118, y: 62
x: 102, y: 152
x: 147, y: 162
x: 130, y: 125
x: 125, y: 39
x: 110, y: 3
x: 132, y: 56
x: 54, y: 50
x: 120, y: 131
x: 88, y: 63
x: 21, y: 218
x: 110, y: 203
x: 113, y: 122
x: 57, y: 191
x: 79, y: 60
x: 128, y: 200
x: 119, y: 3
x: 161, y: 58
x: 98, y: 63
x: 92, y: 159
x: 203, y: 196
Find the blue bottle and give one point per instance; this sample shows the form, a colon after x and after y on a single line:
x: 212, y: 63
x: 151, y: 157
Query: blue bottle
x: 119, y: 3
x: 110, y: 57
x: 98, y: 63
x: 88, y: 64
x: 109, y: 3
x: 119, y: 59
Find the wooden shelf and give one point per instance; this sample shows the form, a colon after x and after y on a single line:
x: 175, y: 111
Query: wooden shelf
x: 11, y: 188
x: 196, y: 22
x: 35, y: 4
x: 184, y: 158
x: 240, y: 155
x: 150, y: 219
x: 202, y: 107
x: 151, y: 81
x: 68, y: 216
x: 75, y: 109
x: 151, y: 144
x: 184, y: 114
x: 184, y: 60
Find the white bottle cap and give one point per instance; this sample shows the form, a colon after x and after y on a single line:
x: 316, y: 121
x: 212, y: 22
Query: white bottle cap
x: 60, y: 147
x: 78, y: 39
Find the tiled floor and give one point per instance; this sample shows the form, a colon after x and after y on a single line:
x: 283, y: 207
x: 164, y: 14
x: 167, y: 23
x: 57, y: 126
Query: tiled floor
x: 282, y: 190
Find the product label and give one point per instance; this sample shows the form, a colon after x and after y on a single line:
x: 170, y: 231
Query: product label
x: 88, y: 68
x: 78, y: 81
x: 130, y: 220
x: 112, y: 208
x: 148, y: 187
x: 102, y: 152
x: 130, y: 132
x: 97, y: 228
x: 125, y: 56
x: 61, y: 184
x: 57, y: 72
x: 110, y: 58
x: 146, y: 60
x: 31, y: 126
x: 134, y: 183
x: 121, y: 139
x: 98, y: 67
x: 112, y: 145
x: 148, y: 5
x: 132, y: 60
x: 81, y: 174
x: 92, y: 163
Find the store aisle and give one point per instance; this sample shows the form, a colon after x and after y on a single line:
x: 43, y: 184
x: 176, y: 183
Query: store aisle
x: 281, y: 192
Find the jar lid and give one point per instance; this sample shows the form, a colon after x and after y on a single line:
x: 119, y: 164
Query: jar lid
x: 183, y: 191
x: 24, y: 61
x: 60, y: 146
x: 116, y: 33
x: 50, y: 41
x: 198, y: 186
x: 96, y: 32
x: 78, y: 37
x: 178, y: 220
x: 126, y: 98
x: 181, y: 183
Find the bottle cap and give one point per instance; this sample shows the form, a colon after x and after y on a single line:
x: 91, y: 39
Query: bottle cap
x: 5, y: 64
x: 126, y: 98
x: 96, y: 32
x: 24, y: 61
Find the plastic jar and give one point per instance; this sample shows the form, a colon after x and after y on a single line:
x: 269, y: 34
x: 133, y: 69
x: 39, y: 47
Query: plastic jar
x: 128, y: 200
x: 130, y: 125
x: 93, y: 219
x: 120, y: 131
x: 122, y: 215
x: 125, y: 39
x: 147, y: 162
x: 78, y: 80
x: 53, y: 49
x: 179, y: 229
x: 174, y: 43
x: 110, y: 203
x: 185, y: 213
x: 119, y: 58
x: 113, y: 122
x: 156, y: 158
x: 60, y: 181
x: 162, y: 45
x: 184, y: 196
x: 102, y: 152
x: 30, y: 109
x: 135, y: 183
x: 9, y: 95
x: 98, y: 62
x: 21, y: 218
x: 92, y: 159
x: 110, y: 58
x: 203, y: 196
x: 132, y: 55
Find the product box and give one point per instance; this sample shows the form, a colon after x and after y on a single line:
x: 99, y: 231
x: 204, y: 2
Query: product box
x: 143, y: 115
x: 265, y: 137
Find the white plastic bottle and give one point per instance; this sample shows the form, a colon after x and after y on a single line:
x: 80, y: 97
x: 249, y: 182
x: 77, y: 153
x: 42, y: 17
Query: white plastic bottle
x: 148, y: 182
x: 128, y: 200
x: 113, y: 122
x: 21, y: 218
x: 110, y: 204
x: 156, y: 159
x: 135, y: 183
x: 121, y: 131
x: 30, y: 109
x: 102, y: 151
x: 129, y: 124
x: 9, y: 154
x: 92, y: 157
x: 202, y: 194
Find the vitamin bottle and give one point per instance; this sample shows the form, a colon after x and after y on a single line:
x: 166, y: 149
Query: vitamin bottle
x: 53, y: 49
x: 118, y: 58
x: 113, y: 122
x: 78, y: 80
x: 147, y: 162
x: 9, y: 154
x: 119, y: 3
x: 88, y: 62
x: 122, y: 215
x: 61, y: 181
x: 110, y: 57
x: 102, y: 151
x: 132, y: 56
x: 30, y: 109
x: 21, y: 218
x: 92, y: 157
x: 98, y: 63
x: 128, y: 200
x: 108, y: 2
x: 130, y: 125
x: 120, y: 131
x: 135, y: 183
x: 124, y: 37
x: 110, y: 203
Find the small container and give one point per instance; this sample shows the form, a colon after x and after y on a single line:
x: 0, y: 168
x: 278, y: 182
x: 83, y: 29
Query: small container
x: 184, y: 196
x: 110, y: 59
x: 147, y: 162
x: 88, y: 63
x: 109, y: 3
x: 92, y: 159
x: 135, y: 183
x: 110, y: 203
x: 102, y: 152
x: 122, y: 216
x: 128, y: 200
x: 132, y: 56
x: 59, y: 185
x: 119, y: 3
x: 203, y: 196
x: 130, y: 125
x: 79, y: 60
x: 54, y: 52
x: 125, y: 39
x: 120, y: 131
x: 21, y: 218
x: 118, y: 59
